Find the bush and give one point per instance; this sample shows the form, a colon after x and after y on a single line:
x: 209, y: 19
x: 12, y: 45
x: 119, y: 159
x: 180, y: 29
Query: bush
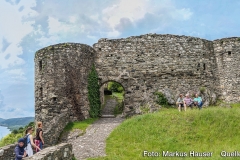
x: 120, y: 89
x: 115, y: 87
x: 202, y: 89
x: 15, y: 131
x: 161, y: 99
x: 94, y: 93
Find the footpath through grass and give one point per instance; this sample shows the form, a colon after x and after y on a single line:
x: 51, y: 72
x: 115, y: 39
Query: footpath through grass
x: 209, y: 130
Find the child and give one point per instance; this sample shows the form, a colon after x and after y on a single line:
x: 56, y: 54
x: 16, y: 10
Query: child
x: 19, y: 150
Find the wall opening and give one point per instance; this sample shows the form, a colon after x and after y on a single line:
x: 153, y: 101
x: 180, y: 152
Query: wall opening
x: 204, y: 66
x: 229, y: 52
x: 112, y: 98
x: 41, y: 92
x: 40, y: 65
x: 54, y: 99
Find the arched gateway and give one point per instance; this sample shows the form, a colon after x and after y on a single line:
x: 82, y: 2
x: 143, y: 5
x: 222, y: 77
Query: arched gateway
x: 142, y: 65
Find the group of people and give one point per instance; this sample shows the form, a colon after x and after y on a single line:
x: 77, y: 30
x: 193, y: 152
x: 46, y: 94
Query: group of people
x: 25, y: 150
x: 184, y: 102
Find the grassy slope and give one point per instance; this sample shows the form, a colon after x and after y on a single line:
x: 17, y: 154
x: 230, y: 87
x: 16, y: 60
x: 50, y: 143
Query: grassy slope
x: 208, y: 130
x: 79, y: 124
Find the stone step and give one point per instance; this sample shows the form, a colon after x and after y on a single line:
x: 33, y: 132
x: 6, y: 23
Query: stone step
x: 108, y: 116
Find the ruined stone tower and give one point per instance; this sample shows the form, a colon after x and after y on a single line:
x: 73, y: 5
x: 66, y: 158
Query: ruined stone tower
x: 141, y: 64
x: 61, y: 86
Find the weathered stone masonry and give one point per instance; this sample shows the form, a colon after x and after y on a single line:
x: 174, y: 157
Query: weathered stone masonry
x: 62, y: 151
x: 61, y: 86
x: 141, y: 64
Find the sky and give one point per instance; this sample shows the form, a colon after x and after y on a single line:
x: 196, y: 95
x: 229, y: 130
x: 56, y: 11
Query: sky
x: 29, y: 25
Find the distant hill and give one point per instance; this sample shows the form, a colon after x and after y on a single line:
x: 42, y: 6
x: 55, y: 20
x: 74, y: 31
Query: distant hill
x: 15, y: 123
x: 2, y: 120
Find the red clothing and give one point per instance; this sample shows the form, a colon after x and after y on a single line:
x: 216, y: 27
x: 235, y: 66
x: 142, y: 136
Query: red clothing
x: 37, y: 143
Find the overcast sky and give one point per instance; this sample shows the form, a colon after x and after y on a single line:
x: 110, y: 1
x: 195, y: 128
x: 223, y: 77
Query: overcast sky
x: 29, y: 25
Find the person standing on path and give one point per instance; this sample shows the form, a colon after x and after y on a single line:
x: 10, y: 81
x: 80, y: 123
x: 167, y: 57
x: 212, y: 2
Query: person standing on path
x: 39, y: 136
x: 30, y: 142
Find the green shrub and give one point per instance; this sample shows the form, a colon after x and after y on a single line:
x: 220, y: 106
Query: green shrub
x: 120, y: 89
x: 161, y: 99
x: 115, y: 87
x: 202, y: 89
x: 238, y: 39
x: 15, y: 131
x: 94, y: 93
x: 74, y: 158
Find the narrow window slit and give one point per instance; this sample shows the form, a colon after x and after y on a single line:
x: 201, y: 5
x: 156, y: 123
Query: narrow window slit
x: 41, y: 92
x: 40, y: 65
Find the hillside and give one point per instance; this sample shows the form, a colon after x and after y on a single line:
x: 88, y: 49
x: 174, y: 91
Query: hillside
x: 2, y: 120
x: 15, y: 123
x: 170, y: 134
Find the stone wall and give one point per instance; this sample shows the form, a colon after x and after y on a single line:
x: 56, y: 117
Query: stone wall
x: 227, y: 51
x: 143, y: 64
x: 62, y: 151
x: 61, y: 86
x: 7, y: 152
x: 149, y: 63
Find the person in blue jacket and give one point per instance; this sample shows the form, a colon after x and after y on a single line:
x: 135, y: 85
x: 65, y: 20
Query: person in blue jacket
x: 19, y: 150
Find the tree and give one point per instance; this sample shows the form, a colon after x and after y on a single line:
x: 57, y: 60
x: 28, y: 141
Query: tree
x: 94, y: 93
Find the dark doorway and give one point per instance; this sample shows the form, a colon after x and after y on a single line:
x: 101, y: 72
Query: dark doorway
x: 112, y: 99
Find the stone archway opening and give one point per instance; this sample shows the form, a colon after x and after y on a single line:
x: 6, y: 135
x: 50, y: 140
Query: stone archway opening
x: 112, y: 99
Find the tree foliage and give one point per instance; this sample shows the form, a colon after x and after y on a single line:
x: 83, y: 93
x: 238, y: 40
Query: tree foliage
x: 94, y: 93
x: 115, y: 87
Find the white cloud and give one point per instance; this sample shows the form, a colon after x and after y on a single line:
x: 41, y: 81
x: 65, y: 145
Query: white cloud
x: 133, y: 10
x: 13, y: 29
x: 136, y: 10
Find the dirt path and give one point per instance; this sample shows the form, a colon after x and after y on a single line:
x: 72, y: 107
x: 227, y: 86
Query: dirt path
x: 92, y: 143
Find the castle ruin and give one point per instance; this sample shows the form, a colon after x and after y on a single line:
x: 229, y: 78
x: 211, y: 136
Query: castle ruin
x: 143, y: 64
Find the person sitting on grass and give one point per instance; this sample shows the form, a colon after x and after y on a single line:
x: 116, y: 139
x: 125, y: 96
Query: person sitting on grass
x: 198, y: 101
x: 180, y: 103
x: 188, y: 101
x: 19, y: 150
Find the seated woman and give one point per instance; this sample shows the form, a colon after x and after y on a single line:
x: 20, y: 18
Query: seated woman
x: 180, y: 103
x: 198, y: 101
x: 19, y: 150
x: 188, y: 101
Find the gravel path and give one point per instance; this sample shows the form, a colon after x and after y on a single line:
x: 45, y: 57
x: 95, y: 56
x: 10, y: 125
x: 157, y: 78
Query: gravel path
x: 109, y: 107
x: 92, y: 143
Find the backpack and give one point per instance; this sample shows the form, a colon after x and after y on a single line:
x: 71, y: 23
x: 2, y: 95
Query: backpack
x: 25, y: 140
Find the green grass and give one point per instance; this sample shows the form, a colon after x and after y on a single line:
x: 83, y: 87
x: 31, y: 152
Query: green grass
x: 79, y: 125
x: 119, y: 96
x: 208, y: 130
x: 235, y: 105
